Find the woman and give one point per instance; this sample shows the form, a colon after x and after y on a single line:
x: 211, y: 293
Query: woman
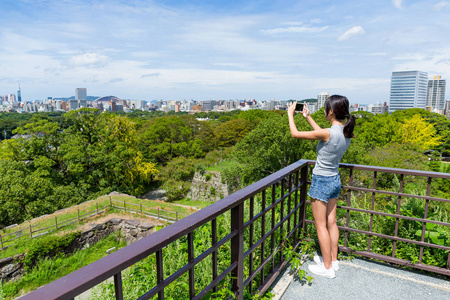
x: 326, y: 183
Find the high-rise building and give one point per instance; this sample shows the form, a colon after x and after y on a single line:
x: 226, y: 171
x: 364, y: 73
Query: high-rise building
x: 80, y: 94
x: 321, y: 98
x: 436, y: 93
x: 408, y: 90
x: 19, y: 94
x: 73, y: 104
x: 447, y: 109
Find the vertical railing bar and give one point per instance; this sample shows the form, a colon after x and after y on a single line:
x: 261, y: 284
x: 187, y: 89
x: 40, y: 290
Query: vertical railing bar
x: 214, y: 254
x: 31, y: 232
x: 272, y: 240
x: 1, y: 240
x: 237, y: 250
x: 424, y: 225
x: 118, y: 286
x: 250, y: 259
x: 289, y: 203
x: 349, y: 198
x: 140, y: 207
x: 96, y: 206
x: 374, y: 187
x: 302, y: 216
x: 190, y: 237
x: 397, y: 220
x: 124, y: 206
x: 263, y: 232
x: 56, y: 222
x: 297, y: 212
x: 281, y: 218
x: 159, y: 272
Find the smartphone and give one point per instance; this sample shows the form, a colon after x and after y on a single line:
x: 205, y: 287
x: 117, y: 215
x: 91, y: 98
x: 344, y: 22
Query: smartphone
x: 299, y: 107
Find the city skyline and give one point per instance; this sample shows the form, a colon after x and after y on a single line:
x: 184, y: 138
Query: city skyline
x: 219, y: 50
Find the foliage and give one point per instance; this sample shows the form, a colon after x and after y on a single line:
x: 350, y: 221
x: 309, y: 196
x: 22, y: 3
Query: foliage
x: 417, y: 131
x: 270, y: 147
x: 47, y: 247
x: 231, y: 132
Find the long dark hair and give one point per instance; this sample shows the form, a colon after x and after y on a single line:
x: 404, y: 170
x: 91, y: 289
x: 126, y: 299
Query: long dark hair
x: 339, y: 104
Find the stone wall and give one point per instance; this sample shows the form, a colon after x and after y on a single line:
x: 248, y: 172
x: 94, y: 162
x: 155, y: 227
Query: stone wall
x: 131, y: 230
x: 208, y: 187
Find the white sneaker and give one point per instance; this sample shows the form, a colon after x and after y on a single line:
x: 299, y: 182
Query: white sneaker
x: 319, y: 260
x: 321, y: 271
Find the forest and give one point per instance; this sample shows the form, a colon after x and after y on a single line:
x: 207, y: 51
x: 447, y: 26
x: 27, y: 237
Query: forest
x: 56, y: 160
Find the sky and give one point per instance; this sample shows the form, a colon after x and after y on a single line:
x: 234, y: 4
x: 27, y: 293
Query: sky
x: 261, y: 49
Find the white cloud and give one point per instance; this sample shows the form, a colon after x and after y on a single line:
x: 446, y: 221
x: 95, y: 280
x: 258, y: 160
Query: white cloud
x: 441, y: 5
x: 89, y: 60
x: 398, y: 3
x: 302, y: 29
x: 355, y: 30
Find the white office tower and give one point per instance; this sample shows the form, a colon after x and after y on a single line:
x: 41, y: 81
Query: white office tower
x: 137, y: 104
x: 321, y: 98
x: 436, y: 93
x: 408, y: 90
x: 80, y: 94
x: 58, y: 105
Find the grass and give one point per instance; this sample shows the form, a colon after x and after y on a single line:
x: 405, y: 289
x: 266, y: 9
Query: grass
x: 49, y: 270
x: 445, y: 165
x: 194, y: 203
x: 222, y: 165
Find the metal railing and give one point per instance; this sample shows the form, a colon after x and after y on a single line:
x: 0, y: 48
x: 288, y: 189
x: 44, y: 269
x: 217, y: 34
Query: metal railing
x: 263, y: 218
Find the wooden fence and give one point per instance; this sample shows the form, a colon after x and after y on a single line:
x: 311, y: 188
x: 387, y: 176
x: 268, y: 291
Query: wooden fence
x: 32, y: 231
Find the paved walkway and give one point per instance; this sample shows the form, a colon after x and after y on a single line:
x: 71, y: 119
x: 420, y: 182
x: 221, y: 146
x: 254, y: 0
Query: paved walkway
x: 365, y: 279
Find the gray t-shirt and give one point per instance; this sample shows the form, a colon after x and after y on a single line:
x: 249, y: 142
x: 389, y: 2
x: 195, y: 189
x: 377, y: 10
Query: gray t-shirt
x: 329, y: 154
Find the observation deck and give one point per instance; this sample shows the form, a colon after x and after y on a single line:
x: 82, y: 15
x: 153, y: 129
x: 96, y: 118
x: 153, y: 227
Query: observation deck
x: 241, y: 245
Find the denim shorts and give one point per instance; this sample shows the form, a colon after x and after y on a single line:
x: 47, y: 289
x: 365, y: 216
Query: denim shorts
x: 324, y: 188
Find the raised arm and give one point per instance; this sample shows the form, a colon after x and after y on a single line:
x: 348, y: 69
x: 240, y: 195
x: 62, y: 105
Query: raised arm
x: 316, y: 134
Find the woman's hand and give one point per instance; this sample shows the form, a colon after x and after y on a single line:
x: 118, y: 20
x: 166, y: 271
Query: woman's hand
x: 305, y: 111
x: 291, y: 107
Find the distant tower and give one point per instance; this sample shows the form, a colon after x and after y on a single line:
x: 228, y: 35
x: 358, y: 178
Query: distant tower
x: 321, y: 98
x: 19, y: 94
x: 408, y: 90
x: 436, y: 93
x: 80, y: 94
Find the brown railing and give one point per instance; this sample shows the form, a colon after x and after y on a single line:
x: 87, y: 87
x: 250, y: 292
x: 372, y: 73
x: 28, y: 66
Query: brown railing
x: 262, y: 219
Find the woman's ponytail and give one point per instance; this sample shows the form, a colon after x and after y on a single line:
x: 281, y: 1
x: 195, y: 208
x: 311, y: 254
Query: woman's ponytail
x: 349, y: 126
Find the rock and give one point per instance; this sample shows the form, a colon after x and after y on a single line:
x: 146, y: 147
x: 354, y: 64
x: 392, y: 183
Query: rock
x: 115, y: 221
x: 6, y: 261
x: 131, y: 223
x: 145, y: 226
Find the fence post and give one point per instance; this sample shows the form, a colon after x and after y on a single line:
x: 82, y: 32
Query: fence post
x: 96, y: 204
x: 237, y: 250
x: 31, y: 232
x: 110, y: 201
x: 158, y: 213
x: 1, y: 241
x: 140, y: 205
x: 78, y: 214
x: 56, y: 222
x: 177, y: 216
x: 124, y: 206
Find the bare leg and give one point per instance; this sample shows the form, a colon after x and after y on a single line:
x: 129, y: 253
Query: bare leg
x: 320, y: 213
x: 332, y: 228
